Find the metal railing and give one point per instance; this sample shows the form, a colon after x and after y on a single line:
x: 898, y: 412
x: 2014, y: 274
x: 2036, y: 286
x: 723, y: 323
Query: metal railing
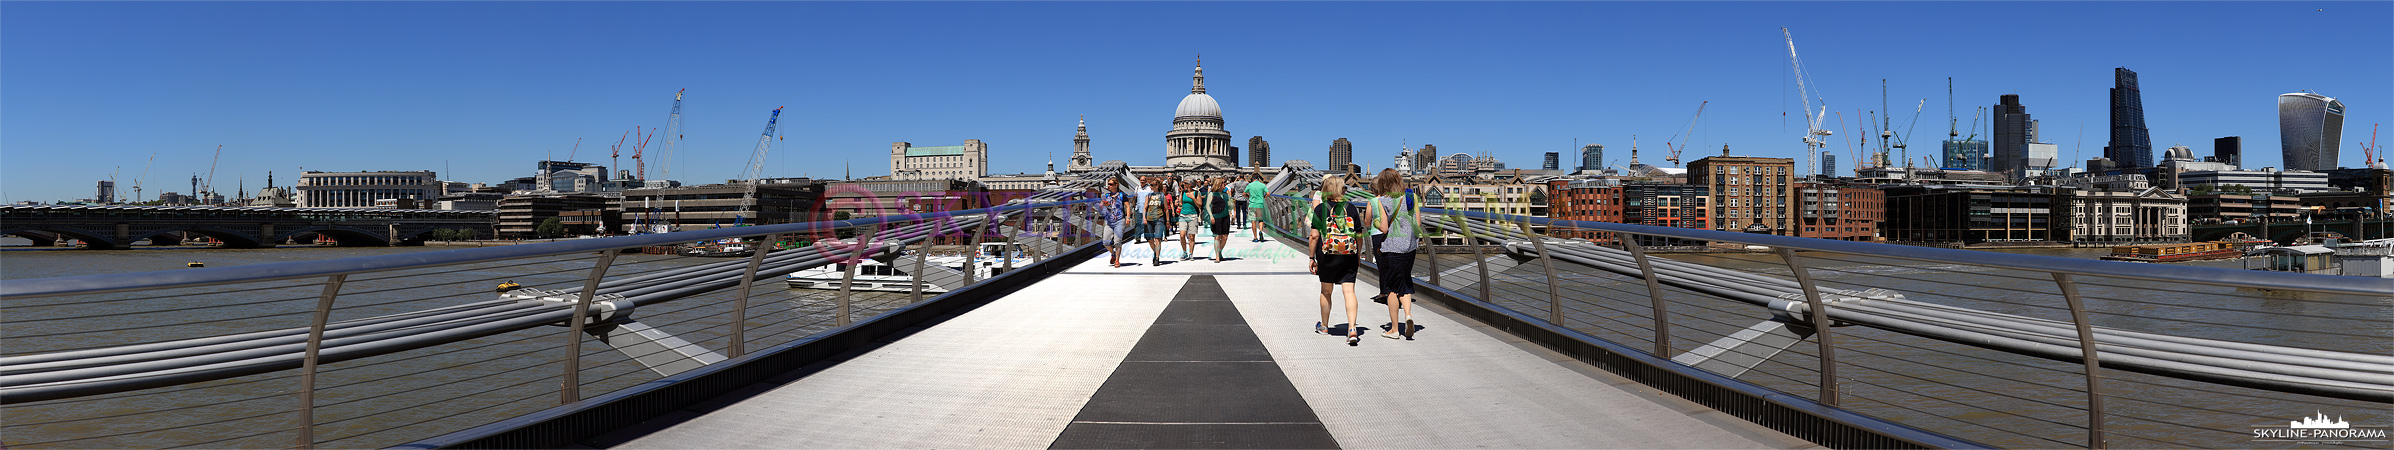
x: 382, y: 350
x: 1959, y: 347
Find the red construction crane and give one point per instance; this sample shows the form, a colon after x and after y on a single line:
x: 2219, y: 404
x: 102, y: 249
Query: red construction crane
x: 616, y: 151
x: 2371, y: 155
x: 641, y: 164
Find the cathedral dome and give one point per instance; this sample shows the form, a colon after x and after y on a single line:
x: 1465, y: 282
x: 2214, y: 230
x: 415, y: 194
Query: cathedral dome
x: 1198, y: 104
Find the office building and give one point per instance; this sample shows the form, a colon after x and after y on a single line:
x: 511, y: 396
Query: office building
x: 1828, y: 165
x: 361, y: 189
x: 107, y: 194
x: 2130, y: 144
x: 944, y: 162
x: 1259, y: 152
x: 1667, y: 205
x: 1587, y: 200
x: 2228, y: 150
x: 2123, y: 210
x: 1967, y: 154
x: 1975, y: 214
x: 520, y: 215
x: 1425, y: 159
x: 1591, y: 157
x: 1553, y: 161
x: 663, y: 210
x: 2309, y: 129
x: 2261, y: 181
x: 1751, y: 194
x: 2011, y: 136
x: 1839, y: 212
x: 1342, y: 156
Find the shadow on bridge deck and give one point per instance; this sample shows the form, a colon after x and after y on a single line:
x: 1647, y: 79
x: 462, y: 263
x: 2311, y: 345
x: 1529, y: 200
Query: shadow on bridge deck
x: 1197, y: 354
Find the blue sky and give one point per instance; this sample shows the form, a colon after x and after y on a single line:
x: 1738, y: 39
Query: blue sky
x: 479, y: 91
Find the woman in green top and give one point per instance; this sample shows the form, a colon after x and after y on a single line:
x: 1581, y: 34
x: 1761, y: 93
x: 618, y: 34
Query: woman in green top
x: 1189, y: 223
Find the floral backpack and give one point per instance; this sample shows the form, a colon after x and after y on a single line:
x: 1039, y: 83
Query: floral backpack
x: 1338, y: 236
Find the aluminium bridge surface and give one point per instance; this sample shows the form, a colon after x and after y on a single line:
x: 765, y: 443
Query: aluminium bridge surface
x: 1198, y: 354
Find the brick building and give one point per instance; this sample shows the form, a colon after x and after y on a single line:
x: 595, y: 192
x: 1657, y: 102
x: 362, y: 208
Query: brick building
x: 1845, y: 213
x: 1750, y: 194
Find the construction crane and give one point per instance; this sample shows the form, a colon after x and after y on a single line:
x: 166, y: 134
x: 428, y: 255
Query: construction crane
x: 673, y: 135
x: 569, y: 154
x: 614, y: 152
x: 1814, y: 135
x: 145, y: 175
x: 756, y: 167
x: 637, y: 149
x: 210, y: 186
x: 1904, y: 140
x: 1690, y: 133
x: 2371, y: 155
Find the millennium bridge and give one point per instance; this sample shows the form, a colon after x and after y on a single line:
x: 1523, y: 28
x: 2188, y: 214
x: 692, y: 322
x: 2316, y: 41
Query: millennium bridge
x: 1533, y: 333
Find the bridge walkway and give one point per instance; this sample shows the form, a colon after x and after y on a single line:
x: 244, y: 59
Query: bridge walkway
x: 1197, y: 354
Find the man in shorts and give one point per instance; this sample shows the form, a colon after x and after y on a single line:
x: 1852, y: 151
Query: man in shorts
x: 1255, y: 204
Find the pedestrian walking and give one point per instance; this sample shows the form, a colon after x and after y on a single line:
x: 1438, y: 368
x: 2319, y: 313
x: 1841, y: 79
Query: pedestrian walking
x: 1397, y: 218
x: 1190, y: 222
x: 1333, y: 247
x: 1219, y: 206
x: 1153, y: 223
x: 1256, y: 194
x: 1112, y: 207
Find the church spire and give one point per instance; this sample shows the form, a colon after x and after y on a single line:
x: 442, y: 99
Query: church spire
x: 1199, y: 87
x: 1083, y: 128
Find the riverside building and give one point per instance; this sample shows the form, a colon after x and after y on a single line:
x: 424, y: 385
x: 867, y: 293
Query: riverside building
x: 361, y: 189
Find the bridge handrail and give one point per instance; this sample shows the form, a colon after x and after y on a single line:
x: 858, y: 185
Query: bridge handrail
x: 2034, y: 263
x: 96, y: 284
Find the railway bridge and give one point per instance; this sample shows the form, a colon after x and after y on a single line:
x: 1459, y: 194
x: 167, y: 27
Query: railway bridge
x: 116, y: 227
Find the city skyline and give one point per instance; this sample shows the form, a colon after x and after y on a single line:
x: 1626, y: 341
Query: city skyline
x: 479, y: 91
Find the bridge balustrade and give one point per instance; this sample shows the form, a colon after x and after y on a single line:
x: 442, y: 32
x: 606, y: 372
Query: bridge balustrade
x: 1926, y: 346
x: 385, y: 350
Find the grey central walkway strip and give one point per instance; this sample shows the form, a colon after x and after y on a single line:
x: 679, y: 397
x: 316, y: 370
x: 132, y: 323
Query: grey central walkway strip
x: 1174, y: 391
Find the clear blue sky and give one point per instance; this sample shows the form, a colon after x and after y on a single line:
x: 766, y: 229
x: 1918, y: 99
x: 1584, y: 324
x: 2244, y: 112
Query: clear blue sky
x: 486, y: 89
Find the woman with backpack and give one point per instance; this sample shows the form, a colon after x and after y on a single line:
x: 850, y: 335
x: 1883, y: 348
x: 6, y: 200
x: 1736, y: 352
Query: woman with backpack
x: 1398, y: 219
x: 1218, y: 206
x: 1153, y: 224
x: 1333, y: 246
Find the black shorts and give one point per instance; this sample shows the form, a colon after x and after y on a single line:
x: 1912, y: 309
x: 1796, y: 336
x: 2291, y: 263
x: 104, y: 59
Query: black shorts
x: 1336, y: 269
x: 1396, y: 273
x: 1221, y: 225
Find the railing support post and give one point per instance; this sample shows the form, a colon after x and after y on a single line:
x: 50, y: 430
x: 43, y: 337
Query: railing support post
x: 739, y: 318
x: 1820, y: 326
x: 307, y: 368
x: 922, y: 254
x: 572, y: 391
x: 1015, y: 244
x: 1662, y: 317
x: 2086, y: 349
x: 848, y: 276
x: 1553, y: 296
x: 972, y: 266
x: 1478, y: 259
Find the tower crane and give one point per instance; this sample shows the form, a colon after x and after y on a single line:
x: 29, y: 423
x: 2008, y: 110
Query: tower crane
x: 1813, y: 134
x: 2371, y: 155
x: 569, y: 154
x: 145, y: 174
x: 756, y: 167
x: 616, y: 151
x: 673, y: 135
x: 1690, y: 133
x: 209, y: 186
x: 641, y: 165
x: 1903, y: 140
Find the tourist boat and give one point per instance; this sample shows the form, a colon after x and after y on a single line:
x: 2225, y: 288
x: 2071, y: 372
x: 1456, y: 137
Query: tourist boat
x: 2192, y: 251
x: 718, y: 250
x: 873, y: 275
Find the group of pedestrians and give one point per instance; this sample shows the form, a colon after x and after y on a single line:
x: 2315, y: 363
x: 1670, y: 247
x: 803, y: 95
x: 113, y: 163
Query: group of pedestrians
x: 1165, y: 206
x: 1391, y: 223
x: 1387, y: 228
